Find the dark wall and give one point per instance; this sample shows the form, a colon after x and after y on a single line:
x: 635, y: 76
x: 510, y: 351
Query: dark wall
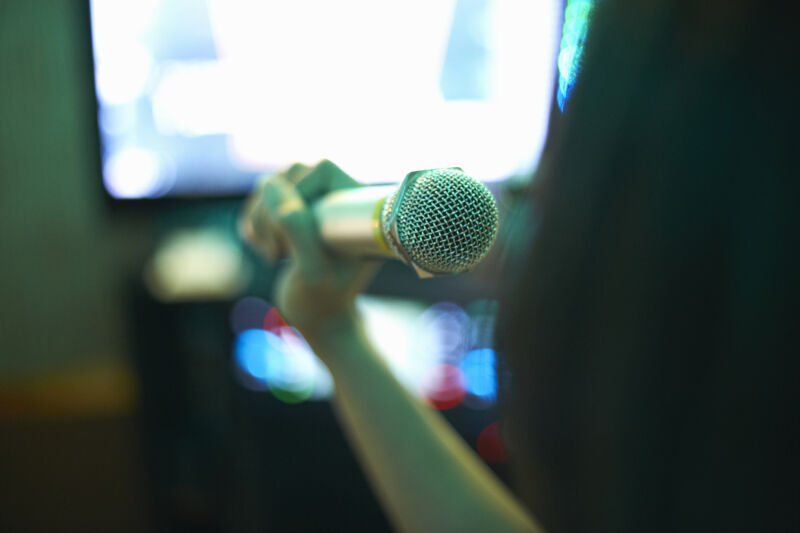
x: 59, y: 271
x: 69, y: 440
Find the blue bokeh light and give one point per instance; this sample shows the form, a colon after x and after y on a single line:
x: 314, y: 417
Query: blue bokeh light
x: 478, y: 367
x: 248, y: 313
x: 282, y: 363
x: 252, y: 350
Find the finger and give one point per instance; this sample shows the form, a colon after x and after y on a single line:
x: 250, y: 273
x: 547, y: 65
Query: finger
x: 297, y: 230
x: 258, y: 226
x: 295, y: 173
x: 277, y: 202
x: 321, y: 179
x: 248, y: 226
x: 245, y: 221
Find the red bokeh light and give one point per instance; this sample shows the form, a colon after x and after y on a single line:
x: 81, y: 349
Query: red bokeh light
x: 445, y: 388
x: 490, y: 446
x: 273, y: 321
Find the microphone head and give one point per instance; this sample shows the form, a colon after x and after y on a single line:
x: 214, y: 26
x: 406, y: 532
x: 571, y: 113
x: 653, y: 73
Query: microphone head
x: 444, y: 221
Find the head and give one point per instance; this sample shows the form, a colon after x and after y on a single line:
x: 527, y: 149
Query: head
x: 645, y: 331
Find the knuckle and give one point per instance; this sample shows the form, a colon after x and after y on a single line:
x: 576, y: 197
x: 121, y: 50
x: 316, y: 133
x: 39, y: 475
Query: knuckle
x: 271, y: 195
x: 295, y: 168
x: 324, y: 163
x: 296, y: 172
x: 292, y: 219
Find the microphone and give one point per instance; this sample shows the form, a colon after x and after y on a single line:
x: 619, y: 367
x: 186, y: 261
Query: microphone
x: 437, y: 221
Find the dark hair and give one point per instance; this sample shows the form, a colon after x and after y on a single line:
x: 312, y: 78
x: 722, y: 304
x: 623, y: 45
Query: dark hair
x: 650, y: 334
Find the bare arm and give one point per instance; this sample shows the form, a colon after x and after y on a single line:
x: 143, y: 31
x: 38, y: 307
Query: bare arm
x: 425, y: 476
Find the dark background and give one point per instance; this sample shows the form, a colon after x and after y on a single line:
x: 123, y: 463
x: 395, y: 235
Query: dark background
x: 117, y: 412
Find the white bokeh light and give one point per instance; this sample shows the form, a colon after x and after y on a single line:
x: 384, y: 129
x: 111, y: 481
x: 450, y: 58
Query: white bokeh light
x: 133, y: 173
x: 123, y: 77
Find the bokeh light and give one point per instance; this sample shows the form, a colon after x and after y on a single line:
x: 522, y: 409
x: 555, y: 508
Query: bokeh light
x: 483, y: 315
x: 269, y: 355
x: 305, y: 365
x: 448, y: 328
x: 270, y: 362
x: 441, y: 353
x: 135, y: 173
x: 294, y: 371
x: 576, y: 25
x: 250, y: 352
x: 478, y: 367
x: 248, y: 313
x: 197, y: 264
x: 273, y: 321
x: 490, y: 445
x: 400, y: 336
x: 444, y: 387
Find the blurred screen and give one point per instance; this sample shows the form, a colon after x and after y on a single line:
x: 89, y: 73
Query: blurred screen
x: 198, y: 98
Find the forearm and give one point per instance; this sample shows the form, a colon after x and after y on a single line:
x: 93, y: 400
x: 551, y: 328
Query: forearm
x: 426, y: 477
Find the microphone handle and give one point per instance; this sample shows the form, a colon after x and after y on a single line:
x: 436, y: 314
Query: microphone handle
x: 349, y: 221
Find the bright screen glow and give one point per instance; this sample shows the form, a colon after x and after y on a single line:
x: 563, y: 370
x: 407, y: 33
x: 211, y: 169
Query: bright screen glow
x: 197, y: 98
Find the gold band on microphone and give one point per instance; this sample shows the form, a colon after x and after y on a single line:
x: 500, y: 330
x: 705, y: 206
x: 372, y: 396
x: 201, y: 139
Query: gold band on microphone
x: 377, y: 233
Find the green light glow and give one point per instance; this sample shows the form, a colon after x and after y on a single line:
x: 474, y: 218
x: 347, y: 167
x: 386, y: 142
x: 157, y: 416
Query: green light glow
x: 573, y: 35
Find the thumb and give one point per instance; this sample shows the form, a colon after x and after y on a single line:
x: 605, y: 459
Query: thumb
x: 297, y: 228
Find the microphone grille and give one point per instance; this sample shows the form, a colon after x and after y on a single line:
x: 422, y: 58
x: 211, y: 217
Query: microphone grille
x: 446, y: 222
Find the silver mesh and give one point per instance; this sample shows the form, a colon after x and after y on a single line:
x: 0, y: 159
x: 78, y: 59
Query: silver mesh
x: 446, y: 223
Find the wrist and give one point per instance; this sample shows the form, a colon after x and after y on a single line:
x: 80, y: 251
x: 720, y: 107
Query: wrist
x: 332, y: 329
x: 340, y: 342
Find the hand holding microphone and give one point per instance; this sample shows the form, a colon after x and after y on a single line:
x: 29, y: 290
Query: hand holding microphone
x: 316, y: 289
x: 438, y: 222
